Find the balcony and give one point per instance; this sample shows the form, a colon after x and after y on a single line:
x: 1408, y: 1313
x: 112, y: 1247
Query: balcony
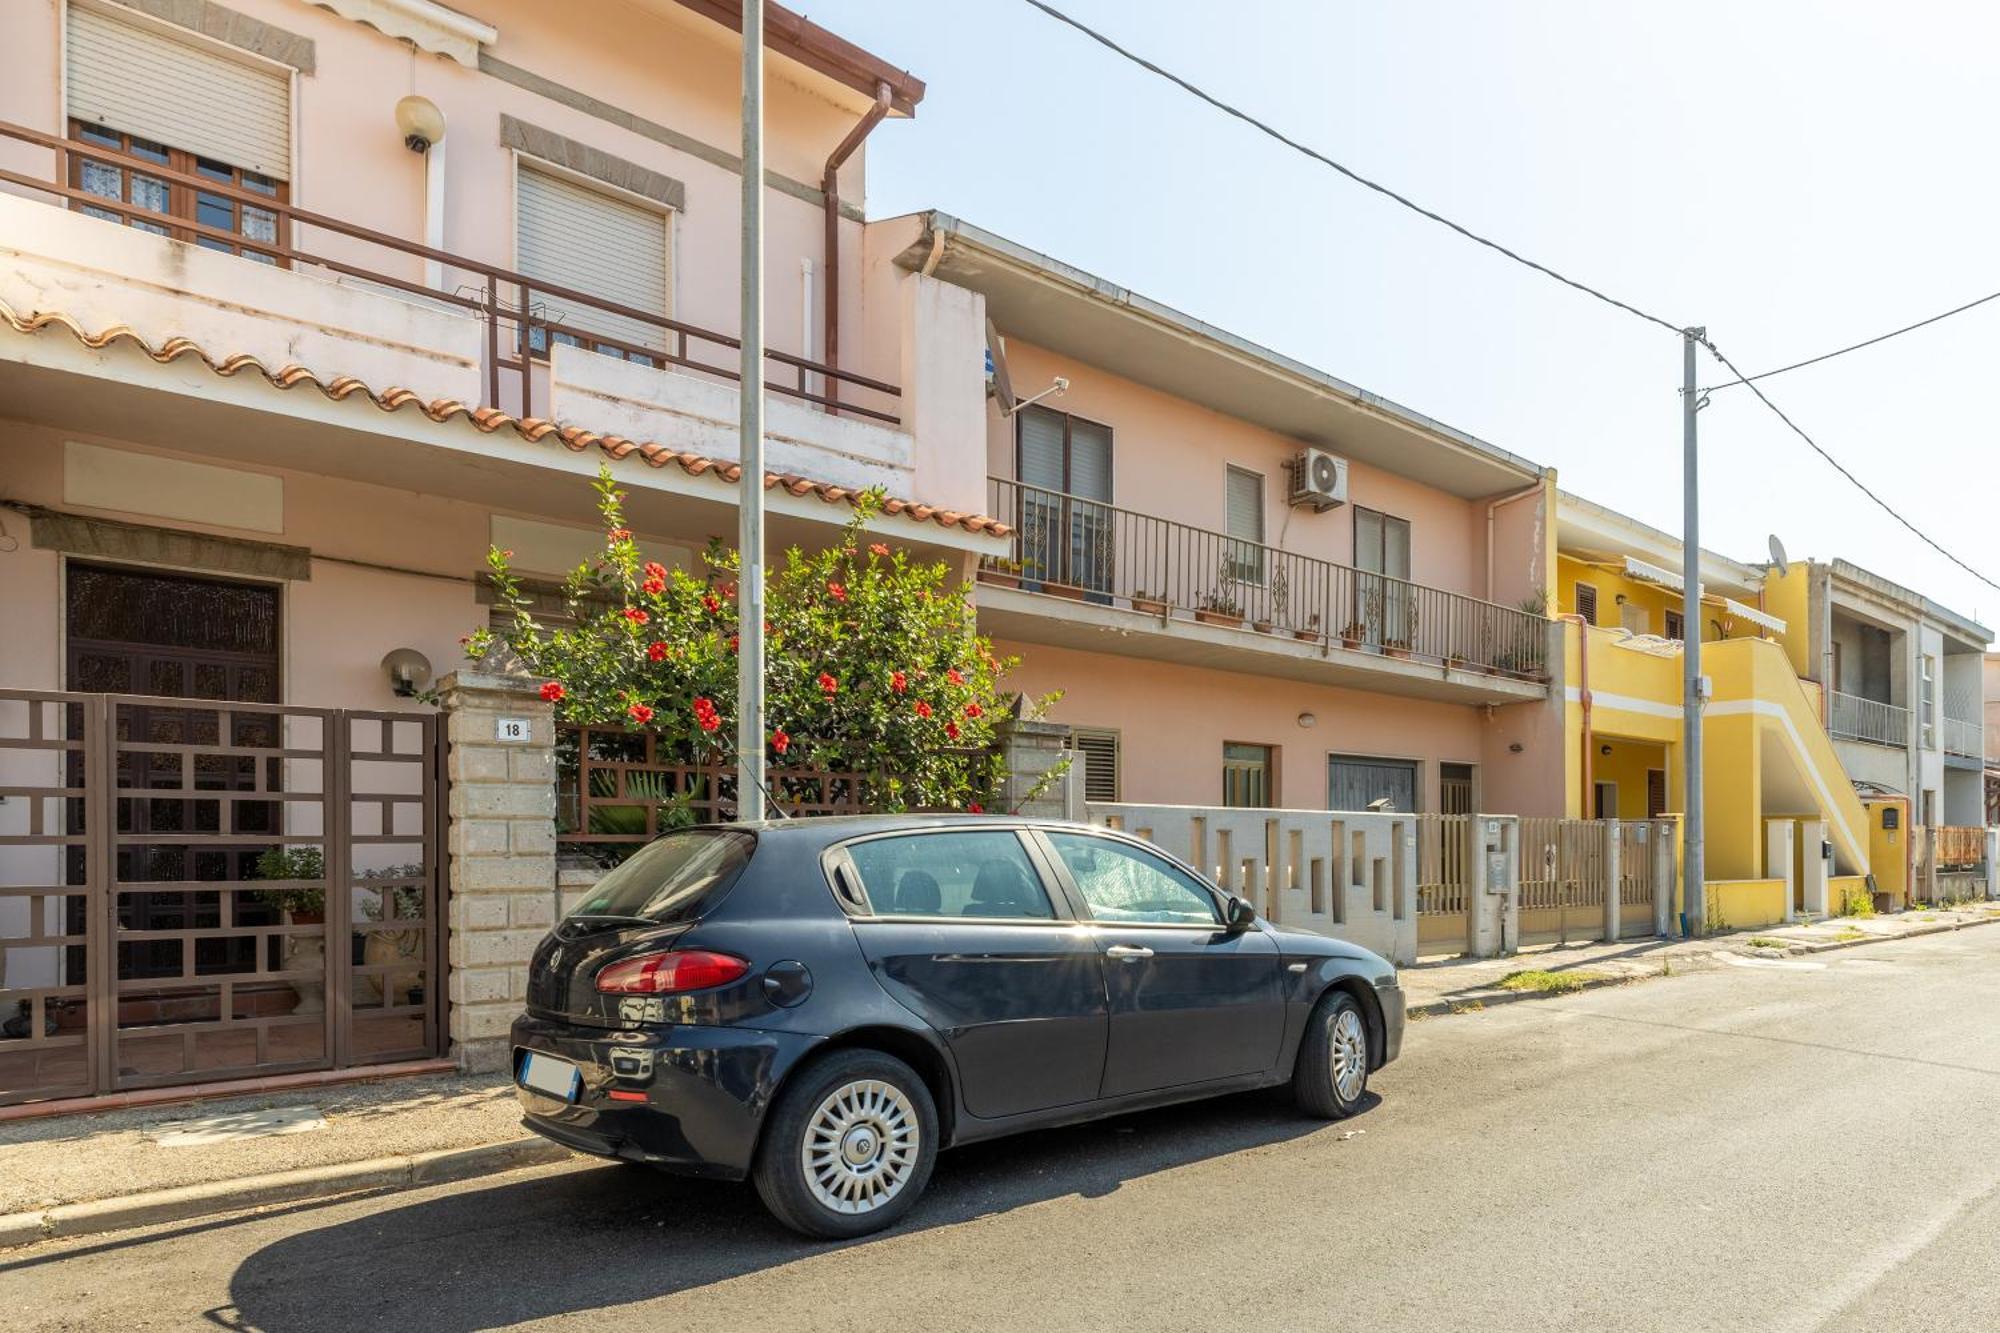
x: 1853, y: 718
x: 1963, y: 737
x: 1080, y: 569
x: 339, y: 300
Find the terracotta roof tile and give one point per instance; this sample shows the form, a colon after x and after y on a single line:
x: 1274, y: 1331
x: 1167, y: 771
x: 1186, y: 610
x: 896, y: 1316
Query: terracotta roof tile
x: 491, y: 420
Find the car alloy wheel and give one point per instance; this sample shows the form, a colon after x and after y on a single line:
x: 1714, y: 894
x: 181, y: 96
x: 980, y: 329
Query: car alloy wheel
x: 861, y: 1146
x: 1350, y: 1055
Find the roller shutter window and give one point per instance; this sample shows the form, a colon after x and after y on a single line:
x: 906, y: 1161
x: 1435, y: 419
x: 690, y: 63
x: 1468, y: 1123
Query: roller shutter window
x: 1586, y: 603
x: 572, y: 236
x: 146, y: 82
x: 1243, y: 503
x: 1097, y: 754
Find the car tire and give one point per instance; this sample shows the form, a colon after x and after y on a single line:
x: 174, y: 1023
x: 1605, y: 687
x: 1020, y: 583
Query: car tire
x: 849, y: 1145
x: 1331, y: 1074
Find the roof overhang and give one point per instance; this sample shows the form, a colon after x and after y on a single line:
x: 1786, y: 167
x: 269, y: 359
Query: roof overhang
x: 823, y: 52
x: 1040, y: 300
x: 1586, y: 530
x: 1968, y: 632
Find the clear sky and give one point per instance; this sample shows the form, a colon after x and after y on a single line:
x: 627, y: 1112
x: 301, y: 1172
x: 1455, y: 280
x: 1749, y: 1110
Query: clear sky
x: 1794, y: 174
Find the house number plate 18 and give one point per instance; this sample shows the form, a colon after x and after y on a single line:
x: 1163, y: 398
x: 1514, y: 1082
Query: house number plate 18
x: 513, y: 729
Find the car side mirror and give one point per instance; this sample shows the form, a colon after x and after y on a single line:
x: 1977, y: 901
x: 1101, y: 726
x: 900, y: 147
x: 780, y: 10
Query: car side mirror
x: 1241, y: 916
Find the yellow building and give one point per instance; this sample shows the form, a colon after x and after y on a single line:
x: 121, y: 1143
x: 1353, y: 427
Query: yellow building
x: 1787, y: 827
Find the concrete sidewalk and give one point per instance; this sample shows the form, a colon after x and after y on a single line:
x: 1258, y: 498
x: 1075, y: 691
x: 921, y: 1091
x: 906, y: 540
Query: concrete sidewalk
x: 1459, y: 984
x: 79, y: 1174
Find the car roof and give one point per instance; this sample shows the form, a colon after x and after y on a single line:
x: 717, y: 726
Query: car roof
x: 837, y: 828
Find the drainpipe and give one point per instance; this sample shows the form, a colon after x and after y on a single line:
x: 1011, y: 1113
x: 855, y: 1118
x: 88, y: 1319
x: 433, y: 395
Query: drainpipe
x: 1583, y: 697
x: 1491, y: 506
x: 829, y: 188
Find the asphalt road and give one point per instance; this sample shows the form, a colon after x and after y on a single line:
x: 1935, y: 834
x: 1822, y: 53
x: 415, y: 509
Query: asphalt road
x: 1796, y: 1147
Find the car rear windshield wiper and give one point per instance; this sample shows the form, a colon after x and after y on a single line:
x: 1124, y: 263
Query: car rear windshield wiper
x: 610, y: 918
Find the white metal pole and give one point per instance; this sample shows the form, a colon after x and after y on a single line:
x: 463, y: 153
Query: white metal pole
x: 750, y: 515
x: 1693, y: 867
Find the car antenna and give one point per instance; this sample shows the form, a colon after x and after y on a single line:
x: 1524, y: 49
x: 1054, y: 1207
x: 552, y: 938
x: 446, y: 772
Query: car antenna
x: 771, y: 801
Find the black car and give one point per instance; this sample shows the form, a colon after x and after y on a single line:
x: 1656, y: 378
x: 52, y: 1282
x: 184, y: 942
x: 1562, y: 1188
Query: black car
x: 822, y: 1004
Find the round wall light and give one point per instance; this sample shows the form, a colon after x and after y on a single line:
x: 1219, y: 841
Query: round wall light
x: 1308, y: 720
x: 420, y: 123
x: 408, y: 671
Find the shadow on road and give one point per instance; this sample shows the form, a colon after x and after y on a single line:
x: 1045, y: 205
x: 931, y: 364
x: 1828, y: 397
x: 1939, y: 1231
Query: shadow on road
x: 605, y: 1236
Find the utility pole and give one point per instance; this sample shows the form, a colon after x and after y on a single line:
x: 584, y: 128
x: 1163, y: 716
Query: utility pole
x: 1693, y: 903
x: 750, y: 435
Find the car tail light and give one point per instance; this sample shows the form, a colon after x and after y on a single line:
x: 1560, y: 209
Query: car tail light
x: 666, y: 973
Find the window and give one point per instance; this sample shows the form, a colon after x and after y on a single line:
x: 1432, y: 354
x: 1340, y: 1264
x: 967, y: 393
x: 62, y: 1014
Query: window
x: 1927, y: 701
x: 1243, y: 501
x: 673, y: 878
x: 1455, y: 789
x: 1586, y: 603
x: 1246, y: 776
x: 1656, y: 792
x: 1387, y: 606
x: 980, y: 874
x: 1676, y: 626
x: 1063, y: 464
x: 153, y: 204
x: 1355, y: 782
x: 1097, y: 752
x: 1121, y: 883
x: 1605, y: 801
x: 590, y: 241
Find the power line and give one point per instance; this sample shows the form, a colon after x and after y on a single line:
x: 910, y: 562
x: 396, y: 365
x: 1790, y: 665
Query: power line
x: 1854, y: 347
x: 1676, y: 329
x: 1348, y: 172
x: 1887, y: 508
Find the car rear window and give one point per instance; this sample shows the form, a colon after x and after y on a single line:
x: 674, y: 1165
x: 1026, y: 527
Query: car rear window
x: 985, y: 874
x: 671, y: 879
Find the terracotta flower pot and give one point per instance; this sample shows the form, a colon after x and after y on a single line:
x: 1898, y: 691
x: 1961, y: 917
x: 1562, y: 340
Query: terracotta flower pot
x: 1068, y: 591
x: 1149, y: 606
x: 1219, y: 618
x: 1000, y: 578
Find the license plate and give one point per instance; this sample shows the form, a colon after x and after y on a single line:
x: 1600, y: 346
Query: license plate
x: 547, y: 1074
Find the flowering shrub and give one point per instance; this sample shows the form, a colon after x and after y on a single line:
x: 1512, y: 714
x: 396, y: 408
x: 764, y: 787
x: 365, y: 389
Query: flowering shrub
x: 872, y: 663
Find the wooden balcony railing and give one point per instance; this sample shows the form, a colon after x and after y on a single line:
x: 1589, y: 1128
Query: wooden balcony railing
x: 512, y: 304
x: 1086, y: 550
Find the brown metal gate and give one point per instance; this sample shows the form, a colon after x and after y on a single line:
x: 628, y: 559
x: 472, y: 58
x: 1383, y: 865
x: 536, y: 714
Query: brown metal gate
x: 198, y: 889
x: 1562, y: 879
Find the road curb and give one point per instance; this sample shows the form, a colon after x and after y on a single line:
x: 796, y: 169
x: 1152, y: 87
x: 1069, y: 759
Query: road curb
x: 1476, y: 1001
x: 408, y: 1171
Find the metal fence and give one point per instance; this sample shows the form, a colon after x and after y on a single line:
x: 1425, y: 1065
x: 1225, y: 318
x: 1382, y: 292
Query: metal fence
x: 1851, y: 717
x: 198, y: 889
x: 1068, y: 546
x: 1964, y: 737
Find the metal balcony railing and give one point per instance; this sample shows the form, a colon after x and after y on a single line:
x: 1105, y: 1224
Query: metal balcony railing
x: 1964, y: 737
x: 1067, y: 546
x: 1851, y: 717
x: 514, y: 306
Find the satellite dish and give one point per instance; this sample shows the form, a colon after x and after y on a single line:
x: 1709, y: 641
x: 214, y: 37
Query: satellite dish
x: 996, y: 356
x: 1778, y: 555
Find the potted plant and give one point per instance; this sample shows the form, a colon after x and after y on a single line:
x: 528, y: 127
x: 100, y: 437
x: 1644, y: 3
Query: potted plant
x: 1309, y: 631
x: 1354, y: 634
x: 1399, y: 643
x: 300, y: 904
x: 1218, y: 606
x: 1001, y: 573
x: 1261, y: 626
x: 404, y: 902
x: 1149, y: 603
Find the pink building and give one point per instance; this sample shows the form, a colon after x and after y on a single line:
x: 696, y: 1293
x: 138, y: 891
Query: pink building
x: 303, y: 306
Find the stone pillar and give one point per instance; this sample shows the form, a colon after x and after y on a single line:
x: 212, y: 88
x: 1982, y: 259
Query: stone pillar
x: 1780, y: 836
x: 1812, y: 867
x: 1493, y: 886
x: 1033, y: 750
x: 1613, y: 905
x: 501, y: 766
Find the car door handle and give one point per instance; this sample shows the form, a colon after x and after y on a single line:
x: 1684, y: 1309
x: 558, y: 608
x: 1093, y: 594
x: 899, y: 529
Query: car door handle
x: 1129, y: 952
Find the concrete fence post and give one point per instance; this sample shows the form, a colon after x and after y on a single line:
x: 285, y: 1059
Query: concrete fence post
x: 1613, y: 904
x: 1780, y: 835
x: 502, y: 896
x: 1993, y: 863
x: 1666, y: 877
x: 1493, y: 886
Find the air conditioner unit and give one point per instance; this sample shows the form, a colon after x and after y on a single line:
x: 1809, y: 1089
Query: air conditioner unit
x: 1319, y: 479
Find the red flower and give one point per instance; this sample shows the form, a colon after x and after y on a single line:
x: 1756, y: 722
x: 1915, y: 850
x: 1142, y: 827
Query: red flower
x: 828, y: 685
x: 640, y: 714
x: 552, y: 690
x: 973, y: 710
x: 705, y: 715
x: 733, y: 640
x: 898, y: 681
x: 464, y: 639
x: 619, y: 535
x: 923, y: 709
x: 657, y: 651
x: 951, y: 730
x: 654, y: 587
x: 710, y: 605
x: 975, y: 808
x: 635, y: 615
x: 837, y: 591
x: 656, y: 570
x: 780, y: 741
x: 877, y: 548
x: 951, y: 674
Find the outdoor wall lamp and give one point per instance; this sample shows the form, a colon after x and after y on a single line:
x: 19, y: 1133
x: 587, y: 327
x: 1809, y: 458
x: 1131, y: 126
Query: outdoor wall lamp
x: 408, y: 671
x: 1604, y: 749
x: 1308, y: 720
x: 420, y: 123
